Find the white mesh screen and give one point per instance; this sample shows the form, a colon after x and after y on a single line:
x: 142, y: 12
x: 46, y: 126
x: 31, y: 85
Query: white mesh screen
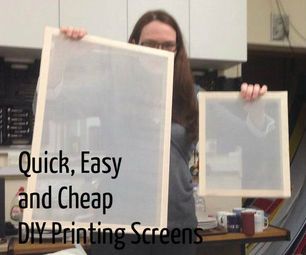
x: 244, y: 145
x: 113, y: 100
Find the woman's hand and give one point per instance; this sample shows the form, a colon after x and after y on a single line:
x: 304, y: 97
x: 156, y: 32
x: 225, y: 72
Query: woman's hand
x: 251, y: 92
x: 73, y: 32
x: 256, y: 112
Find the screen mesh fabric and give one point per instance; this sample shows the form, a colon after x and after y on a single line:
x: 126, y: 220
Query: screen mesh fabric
x: 106, y: 105
x: 244, y: 145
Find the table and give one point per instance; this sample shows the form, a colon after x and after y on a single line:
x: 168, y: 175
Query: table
x: 229, y: 243
x: 234, y: 243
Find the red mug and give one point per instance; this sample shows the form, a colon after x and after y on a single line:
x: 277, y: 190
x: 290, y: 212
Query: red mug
x: 248, y: 223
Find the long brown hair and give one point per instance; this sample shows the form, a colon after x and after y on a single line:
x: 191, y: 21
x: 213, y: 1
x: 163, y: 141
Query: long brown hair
x: 184, y: 108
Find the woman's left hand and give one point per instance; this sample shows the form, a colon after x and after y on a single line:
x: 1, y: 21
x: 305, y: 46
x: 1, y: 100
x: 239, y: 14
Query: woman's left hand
x: 251, y: 92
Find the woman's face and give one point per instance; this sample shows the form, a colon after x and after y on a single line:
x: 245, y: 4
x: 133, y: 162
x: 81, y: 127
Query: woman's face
x: 158, y: 35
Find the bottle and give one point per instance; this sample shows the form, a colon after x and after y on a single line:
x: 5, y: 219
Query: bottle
x: 199, y: 205
x: 16, y: 212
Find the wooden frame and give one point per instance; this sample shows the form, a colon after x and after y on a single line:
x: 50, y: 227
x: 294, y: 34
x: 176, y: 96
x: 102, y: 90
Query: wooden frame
x: 40, y: 113
x: 281, y: 98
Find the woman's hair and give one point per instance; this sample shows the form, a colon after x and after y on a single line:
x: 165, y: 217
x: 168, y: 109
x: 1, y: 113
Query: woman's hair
x: 185, y: 107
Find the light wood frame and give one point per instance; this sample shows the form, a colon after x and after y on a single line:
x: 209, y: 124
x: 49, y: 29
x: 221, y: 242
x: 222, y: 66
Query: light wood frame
x: 39, y: 117
x: 284, y: 142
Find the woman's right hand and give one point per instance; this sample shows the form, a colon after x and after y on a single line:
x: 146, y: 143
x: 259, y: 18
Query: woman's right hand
x: 73, y: 32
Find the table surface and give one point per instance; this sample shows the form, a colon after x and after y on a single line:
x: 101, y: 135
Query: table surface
x: 270, y: 234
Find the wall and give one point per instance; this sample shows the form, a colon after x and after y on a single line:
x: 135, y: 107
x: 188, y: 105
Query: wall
x: 259, y: 21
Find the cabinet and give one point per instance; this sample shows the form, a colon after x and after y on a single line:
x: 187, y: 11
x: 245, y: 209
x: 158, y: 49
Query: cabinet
x: 179, y: 9
x: 107, y: 18
x: 218, y: 30
x: 214, y: 30
x: 22, y: 22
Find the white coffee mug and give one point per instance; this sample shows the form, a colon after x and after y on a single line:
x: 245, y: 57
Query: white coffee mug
x: 260, y: 212
x: 250, y: 210
x: 261, y: 221
x: 238, y: 210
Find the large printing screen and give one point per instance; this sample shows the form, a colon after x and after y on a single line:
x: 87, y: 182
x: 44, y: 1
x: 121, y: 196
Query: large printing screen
x: 104, y: 111
x: 243, y: 145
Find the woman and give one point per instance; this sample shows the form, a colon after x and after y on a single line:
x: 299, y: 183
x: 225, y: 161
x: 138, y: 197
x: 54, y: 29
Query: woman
x: 159, y: 30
